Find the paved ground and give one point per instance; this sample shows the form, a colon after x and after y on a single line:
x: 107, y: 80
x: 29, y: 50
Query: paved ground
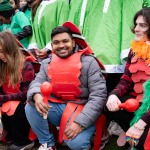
x: 111, y: 145
x: 5, y: 146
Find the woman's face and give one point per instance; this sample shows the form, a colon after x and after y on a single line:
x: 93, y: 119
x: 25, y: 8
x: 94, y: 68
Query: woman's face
x: 62, y: 45
x: 22, y: 3
x: 141, y: 29
x: 12, y: 3
x: 2, y: 57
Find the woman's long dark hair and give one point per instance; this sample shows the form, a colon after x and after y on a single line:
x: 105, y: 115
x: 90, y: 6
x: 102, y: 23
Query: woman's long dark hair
x: 34, y: 7
x: 15, y: 59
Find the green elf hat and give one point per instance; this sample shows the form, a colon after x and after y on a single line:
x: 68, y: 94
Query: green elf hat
x: 5, y: 5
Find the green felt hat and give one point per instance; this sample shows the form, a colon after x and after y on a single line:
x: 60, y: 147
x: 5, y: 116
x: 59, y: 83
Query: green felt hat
x: 5, y: 5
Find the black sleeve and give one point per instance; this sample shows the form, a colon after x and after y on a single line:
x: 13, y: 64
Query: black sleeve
x: 27, y: 31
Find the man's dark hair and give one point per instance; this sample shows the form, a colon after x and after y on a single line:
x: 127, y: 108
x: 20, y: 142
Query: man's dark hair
x: 145, y: 12
x: 8, y: 13
x: 61, y: 29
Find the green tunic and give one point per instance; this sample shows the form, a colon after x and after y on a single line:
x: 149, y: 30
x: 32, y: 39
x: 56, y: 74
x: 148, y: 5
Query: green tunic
x: 4, y: 27
x: 106, y: 26
x: 28, y: 13
x: 18, y: 22
x: 106, y: 43
x: 49, y: 15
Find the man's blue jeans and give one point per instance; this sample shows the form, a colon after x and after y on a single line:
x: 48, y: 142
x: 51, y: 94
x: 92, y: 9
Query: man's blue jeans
x: 41, y: 127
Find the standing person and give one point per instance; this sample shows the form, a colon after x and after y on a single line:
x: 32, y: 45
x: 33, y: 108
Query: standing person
x: 130, y: 85
x: 87, y: 92
x: 26, y: 8
x: 19, y: 24
x: 15, y: 76
x: 46, y: 15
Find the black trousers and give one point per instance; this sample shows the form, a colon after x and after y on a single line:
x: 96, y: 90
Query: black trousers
x: 17, y: 125
x: 123, y: 118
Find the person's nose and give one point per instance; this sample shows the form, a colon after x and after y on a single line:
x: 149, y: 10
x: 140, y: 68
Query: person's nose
x: 61, y: 45
x: 136, y: 28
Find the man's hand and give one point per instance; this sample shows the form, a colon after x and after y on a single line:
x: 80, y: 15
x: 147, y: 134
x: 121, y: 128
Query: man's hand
x: 40, y: 106
x: 41, y: 53
x: 113, y: 103
x: 72, y: 130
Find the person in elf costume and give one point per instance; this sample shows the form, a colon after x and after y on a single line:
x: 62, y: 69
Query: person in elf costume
x: 17, y: 22
x: 78, y: 92
x: 46, y: 15
x: 106, y: 26
x: 26, y: 8
x: 15, y: 76
x: 131, y: 84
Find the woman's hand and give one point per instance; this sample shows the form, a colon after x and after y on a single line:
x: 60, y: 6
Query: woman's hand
x: 40, y: 106
x: 113, y: 103
x: 134, y: 132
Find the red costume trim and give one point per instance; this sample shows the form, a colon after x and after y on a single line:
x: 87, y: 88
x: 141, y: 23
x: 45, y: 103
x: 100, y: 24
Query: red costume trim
x: 10, y: 106
x: 140, y: 74
x: 147, y: 141
x: 64, y: 75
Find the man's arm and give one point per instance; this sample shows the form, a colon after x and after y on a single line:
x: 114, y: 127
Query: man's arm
x: 97, y: 93
x: 34, y: 87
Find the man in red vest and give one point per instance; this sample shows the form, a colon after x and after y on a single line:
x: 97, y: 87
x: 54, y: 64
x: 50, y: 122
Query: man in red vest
x: 78, y: 92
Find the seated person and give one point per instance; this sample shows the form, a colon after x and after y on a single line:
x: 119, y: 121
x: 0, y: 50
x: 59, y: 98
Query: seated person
x: 15, y: 76
x: 78, y: 89
x: 131, y: 83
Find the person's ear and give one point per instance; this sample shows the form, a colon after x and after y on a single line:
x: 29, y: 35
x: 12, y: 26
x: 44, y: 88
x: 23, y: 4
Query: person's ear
x: 52, y: 45
x: 73, y: 43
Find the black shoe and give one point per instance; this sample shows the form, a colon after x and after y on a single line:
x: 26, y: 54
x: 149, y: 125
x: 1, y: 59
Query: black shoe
x: 23, y: 147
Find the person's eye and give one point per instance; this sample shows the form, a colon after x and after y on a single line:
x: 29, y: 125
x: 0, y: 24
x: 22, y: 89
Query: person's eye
x: 55, y: 42
x: 143, y: 25
x: 65, y: 41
